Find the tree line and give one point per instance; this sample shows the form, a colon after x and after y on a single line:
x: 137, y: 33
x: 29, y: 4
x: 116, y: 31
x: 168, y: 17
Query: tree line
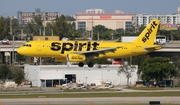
x: 152, y: 68
x: 10, y: 72
x: 64, y: 26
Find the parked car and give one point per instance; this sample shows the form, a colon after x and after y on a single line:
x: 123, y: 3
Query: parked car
x: 5, y: 42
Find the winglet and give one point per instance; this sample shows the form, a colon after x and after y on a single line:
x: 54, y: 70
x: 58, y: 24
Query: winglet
x: 148, y: 35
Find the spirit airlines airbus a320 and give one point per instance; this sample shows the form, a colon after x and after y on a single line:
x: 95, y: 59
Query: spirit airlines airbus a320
x: 84, y: 51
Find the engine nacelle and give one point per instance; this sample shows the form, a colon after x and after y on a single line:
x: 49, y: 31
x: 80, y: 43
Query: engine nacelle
x: 76, y: 58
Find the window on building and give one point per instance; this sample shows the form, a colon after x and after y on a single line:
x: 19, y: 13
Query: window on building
x: 82, y: 25
x: 128, y: 25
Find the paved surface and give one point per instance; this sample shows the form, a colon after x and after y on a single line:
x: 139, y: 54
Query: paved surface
x: 107, y: 100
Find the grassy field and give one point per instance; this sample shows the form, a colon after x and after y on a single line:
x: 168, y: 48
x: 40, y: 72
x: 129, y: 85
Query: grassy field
x: 85, y: 93
x: 82, y: 93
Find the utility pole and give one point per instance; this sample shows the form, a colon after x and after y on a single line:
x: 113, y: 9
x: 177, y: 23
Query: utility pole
x: 98, y: 36
x: 11, y: 25
x: 40, y: 31
x: 51, y: 32
x: 44, y: 31
x: 92, y: 28
x: 21, y: 33
x: 13, y: 40
x: 112, y: 36
x: 135, y: 27
x: 44, y: 25
x: 13, y: 51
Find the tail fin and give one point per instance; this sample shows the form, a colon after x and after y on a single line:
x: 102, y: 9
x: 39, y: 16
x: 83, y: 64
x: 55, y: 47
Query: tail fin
x: 148, y: 35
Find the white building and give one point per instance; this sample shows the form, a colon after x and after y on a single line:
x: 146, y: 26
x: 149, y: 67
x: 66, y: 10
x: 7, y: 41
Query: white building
x: 145, y: 19
x: 51, y: 75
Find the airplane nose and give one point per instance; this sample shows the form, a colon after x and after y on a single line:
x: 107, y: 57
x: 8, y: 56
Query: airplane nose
x: 20, y: 51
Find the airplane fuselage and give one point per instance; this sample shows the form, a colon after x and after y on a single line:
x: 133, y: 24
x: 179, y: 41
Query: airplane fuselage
x: 63, y: 48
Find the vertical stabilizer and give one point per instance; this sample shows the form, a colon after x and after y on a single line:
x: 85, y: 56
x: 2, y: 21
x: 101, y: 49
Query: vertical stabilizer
x: 148, y: 35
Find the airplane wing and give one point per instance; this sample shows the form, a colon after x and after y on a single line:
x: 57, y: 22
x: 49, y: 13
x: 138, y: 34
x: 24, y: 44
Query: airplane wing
x: 158, y: 47
x: 97, y: 52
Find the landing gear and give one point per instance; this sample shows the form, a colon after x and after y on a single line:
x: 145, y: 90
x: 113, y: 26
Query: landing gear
x: 81, y: 64
x: 90, y: 64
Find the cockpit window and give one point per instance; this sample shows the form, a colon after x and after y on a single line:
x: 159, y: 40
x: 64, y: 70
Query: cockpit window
x: 27, y: 45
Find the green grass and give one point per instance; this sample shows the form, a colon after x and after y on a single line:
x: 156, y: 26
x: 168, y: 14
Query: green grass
x: 80, y: 93
x: 91, y: 94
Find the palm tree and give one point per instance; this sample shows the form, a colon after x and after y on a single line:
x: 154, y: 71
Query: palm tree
x: 127, y: 70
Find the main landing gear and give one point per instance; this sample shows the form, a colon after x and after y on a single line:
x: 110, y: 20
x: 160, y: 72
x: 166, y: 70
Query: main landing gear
x: 90, y: 64
x: 81, y: 64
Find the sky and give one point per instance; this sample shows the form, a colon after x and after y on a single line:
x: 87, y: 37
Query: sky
x: 70, y: 7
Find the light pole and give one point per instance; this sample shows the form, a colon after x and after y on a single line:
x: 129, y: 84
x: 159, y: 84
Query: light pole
x: 13, y: 51
x: 112, y: 36
x: 40, y: 31
x: 92, y: 28
x: 98, y: 36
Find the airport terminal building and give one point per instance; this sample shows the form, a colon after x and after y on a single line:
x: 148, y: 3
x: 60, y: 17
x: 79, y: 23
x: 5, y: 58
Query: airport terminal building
x: 52, y: 75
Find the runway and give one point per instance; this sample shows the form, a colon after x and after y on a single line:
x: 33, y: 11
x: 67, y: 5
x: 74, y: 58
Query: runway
x: 98, y: 100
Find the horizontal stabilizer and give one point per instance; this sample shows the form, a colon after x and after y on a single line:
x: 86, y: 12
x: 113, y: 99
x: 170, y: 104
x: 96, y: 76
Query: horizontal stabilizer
x: 158, y: 47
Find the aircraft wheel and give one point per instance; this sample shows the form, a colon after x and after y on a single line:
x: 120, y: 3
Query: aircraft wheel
x: 90, y: 64
x: 81, y: 64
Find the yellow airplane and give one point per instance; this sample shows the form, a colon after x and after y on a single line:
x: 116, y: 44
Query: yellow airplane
x: 84, y: 51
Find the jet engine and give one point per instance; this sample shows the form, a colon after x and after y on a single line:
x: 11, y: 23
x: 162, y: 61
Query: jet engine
x: 76, y: 58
